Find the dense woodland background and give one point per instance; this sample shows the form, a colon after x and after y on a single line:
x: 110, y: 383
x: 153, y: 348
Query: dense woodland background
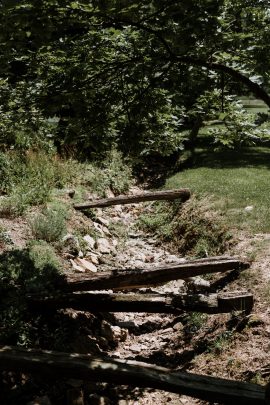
x: 140, y: 76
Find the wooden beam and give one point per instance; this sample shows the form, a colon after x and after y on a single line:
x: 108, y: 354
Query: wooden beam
x: 152, y: 303
x: 181, y: 194
x: 84, y: 367
x: 135, y: 278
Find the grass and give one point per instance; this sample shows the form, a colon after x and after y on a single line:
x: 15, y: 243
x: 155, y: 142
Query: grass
x: 234, y: 180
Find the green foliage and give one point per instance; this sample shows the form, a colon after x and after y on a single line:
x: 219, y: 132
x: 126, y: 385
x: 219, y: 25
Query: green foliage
x: 43, y: 256
x: 199, y: 231
x: 220, y: 342
x: 49, y: 225
x: 158, y: 219
x: 192, y: 228
x: 142, y: 68
x: 195, y: 321
x: 239, y: 129
x: 113, y: 173
x: 29, y: 179
x: 32, y: 270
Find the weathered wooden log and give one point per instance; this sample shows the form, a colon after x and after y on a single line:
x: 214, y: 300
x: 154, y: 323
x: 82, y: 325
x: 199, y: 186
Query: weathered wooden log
x: 83, y: 367
x: 152, y: 303
x: 135, y: 278
x: 181, y: 194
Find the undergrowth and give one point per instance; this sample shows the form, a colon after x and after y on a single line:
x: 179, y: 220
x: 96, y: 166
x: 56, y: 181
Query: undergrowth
x: 49, y: 224
x: 30, y: 270
x: 192, y: 228
x: 29, y: 178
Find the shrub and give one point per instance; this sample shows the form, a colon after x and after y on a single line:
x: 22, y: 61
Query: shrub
x: 112, y: 173
x: 31, y: 270
x: 49, y: 225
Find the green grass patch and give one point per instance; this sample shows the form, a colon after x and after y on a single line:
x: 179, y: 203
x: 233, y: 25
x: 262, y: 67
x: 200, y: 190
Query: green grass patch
x: 234, y: 180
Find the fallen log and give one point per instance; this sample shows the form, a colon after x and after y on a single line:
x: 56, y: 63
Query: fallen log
x: 120, y: 372
x: 151, y: 303
x: 181, y: 194
x: 135, y: 278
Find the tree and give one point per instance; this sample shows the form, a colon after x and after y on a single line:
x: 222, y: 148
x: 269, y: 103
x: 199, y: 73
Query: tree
x: 126, y: 73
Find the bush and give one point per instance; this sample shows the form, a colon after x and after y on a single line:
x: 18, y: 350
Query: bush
x: 31, y: 270
x: 111, y: 173
x: 49, y: 225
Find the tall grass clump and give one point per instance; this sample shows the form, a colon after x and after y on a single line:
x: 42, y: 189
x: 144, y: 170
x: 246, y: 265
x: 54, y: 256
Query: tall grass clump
x: 49, y: 225
x: 29, y: 178
x: 192, y: 228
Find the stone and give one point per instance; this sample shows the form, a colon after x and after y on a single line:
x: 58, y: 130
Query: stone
x: 93, y: 257
x: 95, y: 399
x: 71, y: 244
x: 174, y: 259
x: 86, y: 344
x: 86, y: 265
x: 149, y: 258
x: 178, y: 327
x: 103, y: 246
x: 105, y: 230
x: 75, y: 396
x: 249, y: 208
x: 137, y: 348
x: 98, y: 228
x: 103, y: 221
x: 77, y: 267
x: 112, y: 333
x: 90, y: 241
x: 44, y: 400
x: 109, y: 193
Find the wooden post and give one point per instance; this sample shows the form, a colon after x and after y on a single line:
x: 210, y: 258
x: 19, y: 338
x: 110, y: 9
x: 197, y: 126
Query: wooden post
x: 181, y: 194
x: 135, y: 278
x: 73, y: 365
x: 152, y: 303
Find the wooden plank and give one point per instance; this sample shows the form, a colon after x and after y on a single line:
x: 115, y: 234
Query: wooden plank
x: 152, y: 303
x: 135, y: 278
x: 84, y: 367
x: 181, y: 194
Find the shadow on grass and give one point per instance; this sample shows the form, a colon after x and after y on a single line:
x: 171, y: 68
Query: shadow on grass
x: 244, y: 157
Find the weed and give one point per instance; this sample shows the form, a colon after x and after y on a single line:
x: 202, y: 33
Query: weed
x: 5, y: 238
x: 192, y: 228
x: 49, y: 225
x: 195, y: 321
x: 29, y: 179
x: 267, y: 292
x: 257, y: 379
x: 43, y: 256
x: 221, y: 342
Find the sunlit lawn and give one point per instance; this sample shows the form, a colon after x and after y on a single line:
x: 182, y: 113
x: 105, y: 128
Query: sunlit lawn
x: 235, y: 180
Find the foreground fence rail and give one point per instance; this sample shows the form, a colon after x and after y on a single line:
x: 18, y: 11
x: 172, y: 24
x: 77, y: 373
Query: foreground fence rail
x: 84, y: 367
